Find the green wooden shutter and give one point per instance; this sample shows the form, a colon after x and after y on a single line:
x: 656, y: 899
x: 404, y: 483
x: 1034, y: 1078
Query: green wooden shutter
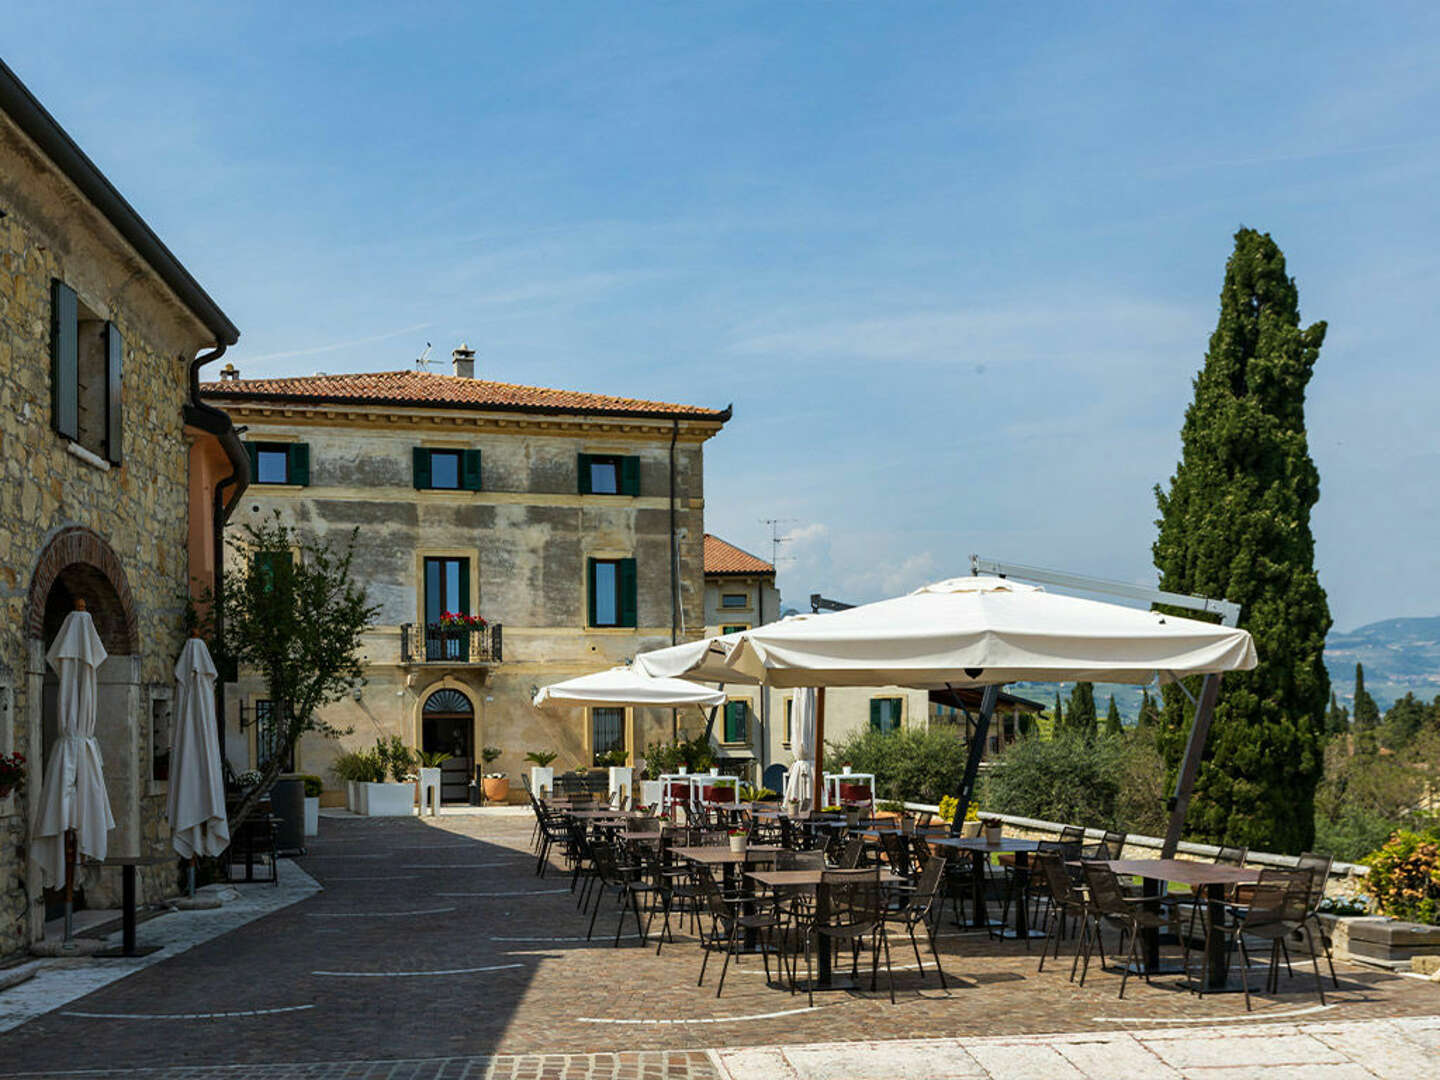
x: 629, y: 476
x: 420, y: 467
x: 582, y: 467
x: 114, y: 399
x: 735, y: 721
x: 590, y: 590
x: 253, y: 453
x: 64, y: 359
x: 875, y: 718
x: 629, y: 600
x: 470, y: 471
x: 299, y: 472
x: 465, y: 587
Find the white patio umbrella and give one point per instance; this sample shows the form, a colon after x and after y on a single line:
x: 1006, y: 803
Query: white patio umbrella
x: 703, y: 660
x: 618, y: 687
x: 801, y: 778
x: 198, y: 823
x: 74, y: 805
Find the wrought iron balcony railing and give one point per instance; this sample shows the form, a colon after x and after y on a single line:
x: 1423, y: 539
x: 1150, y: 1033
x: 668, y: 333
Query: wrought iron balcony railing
x: 437, y: 643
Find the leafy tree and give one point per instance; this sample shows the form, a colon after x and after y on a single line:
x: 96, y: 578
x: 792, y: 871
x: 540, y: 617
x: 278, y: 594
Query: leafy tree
x: 1337, y: 718
x: 918, y: 764
x: 298, y: 621
x: 1235, y: 523
x: 1149, y: 711
x: 1113, y: 726
x: 1080, y: 716
x: 1026, y: 725
x: 1367, y: 715
x: 1406, y: 719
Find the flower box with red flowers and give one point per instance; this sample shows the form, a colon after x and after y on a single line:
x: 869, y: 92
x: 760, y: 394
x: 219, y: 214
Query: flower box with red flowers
x: 12, y: 773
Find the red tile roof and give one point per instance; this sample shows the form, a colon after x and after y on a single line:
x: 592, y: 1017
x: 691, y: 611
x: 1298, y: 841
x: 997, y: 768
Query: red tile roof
x: 445, y: 391
x: 723, y: 558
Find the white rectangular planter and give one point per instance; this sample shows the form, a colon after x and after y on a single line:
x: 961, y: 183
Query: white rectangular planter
x: 312, y: 815
x: 622, y: 781
x: 650, y: 791
x: 388, y: 800
x: 352, y: 796
x: 542, y: 781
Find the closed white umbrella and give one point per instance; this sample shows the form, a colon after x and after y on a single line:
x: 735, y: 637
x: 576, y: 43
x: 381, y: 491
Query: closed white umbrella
x: 198, y: 824
x: 799, y: 782
x: 72, y: 795
x: 618, y: 687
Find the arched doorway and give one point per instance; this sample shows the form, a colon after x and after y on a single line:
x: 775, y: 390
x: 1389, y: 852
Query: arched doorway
x: 447, y: 726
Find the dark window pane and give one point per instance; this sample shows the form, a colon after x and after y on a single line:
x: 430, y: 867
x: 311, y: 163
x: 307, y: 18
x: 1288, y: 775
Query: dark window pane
x: 734, y: 600
x: 604, y: 478
x: 445, y: 469
x: 607, y: 730
x: 607, y: 594
x: 272, y: 466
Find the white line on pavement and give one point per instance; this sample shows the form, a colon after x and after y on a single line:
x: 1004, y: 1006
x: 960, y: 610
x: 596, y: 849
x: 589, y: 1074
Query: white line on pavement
x: 703, y: 1020
x: 410, y: 974
x: 1209, y: 1019
x: 520, y: 892
x: 187, y: 1016
x: 374, y: 914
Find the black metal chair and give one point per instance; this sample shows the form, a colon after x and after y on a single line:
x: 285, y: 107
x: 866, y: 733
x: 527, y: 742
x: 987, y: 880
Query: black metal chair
x: 856, y: 914
x: 628, y: 886
x: 1319, y: 867
x: 1279, y: 906
x: 1130, y: 914
x: 728, y: 922
x: 921, y: 907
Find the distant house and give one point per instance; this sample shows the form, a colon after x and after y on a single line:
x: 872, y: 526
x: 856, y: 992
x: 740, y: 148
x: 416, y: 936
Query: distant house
x: 117, y: 480
x: 571, y: 522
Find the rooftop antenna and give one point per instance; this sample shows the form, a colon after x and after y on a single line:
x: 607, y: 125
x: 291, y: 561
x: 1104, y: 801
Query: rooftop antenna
x: 775, y: 538
x: 422, y: 362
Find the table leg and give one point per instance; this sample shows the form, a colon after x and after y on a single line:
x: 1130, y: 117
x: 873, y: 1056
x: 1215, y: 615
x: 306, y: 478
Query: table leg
x: 1150, y: 935
x: 822, y: 943
x: 127, y: 915
x: 979, y: 917
x: 1022, y: 882
x: 1218, y: 957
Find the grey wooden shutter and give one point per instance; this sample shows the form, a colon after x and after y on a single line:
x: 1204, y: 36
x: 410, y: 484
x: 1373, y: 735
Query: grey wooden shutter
x: 629, y: 599
x: 875, y: 720
x: 582, y: 466
x: 590, y: 591
x: 629, y: 476
x: 114, y: 398
x: 299, y: 472
x: 421, y: 467
x: 470, y: 470
x: 64, y: 359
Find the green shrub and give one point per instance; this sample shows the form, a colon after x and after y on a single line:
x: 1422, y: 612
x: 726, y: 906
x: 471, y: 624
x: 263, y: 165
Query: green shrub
x: 396, y: 759
x: 541, y: 758
x: 660, y: 758
x: 1404, y: 876
x: 918, y: 764
x: 314, y: 786
x: 360, y: 766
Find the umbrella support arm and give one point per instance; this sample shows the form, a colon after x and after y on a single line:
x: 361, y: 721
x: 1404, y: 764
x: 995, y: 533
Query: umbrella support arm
x: 972, y: 763
x: 70, y: 844
x: 1190, y: 763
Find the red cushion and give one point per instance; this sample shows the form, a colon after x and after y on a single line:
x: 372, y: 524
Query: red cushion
x: 717, y: 793
x: 854, y: 792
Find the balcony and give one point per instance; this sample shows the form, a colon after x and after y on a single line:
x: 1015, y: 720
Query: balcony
x: 437, y: 643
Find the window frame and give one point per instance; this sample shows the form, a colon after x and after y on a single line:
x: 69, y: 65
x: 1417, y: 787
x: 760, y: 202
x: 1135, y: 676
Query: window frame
x: 621, y: 742
x: 627, y: 592
x: 899, y: 719
x: 627, y: 474
x: 743, y: 704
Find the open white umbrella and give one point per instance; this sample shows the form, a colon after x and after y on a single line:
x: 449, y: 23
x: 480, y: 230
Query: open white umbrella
x: 618, y: 687
x: 799, y: 782
x: 198, y: 823
x: 73, y: 800
x: 703, y: 660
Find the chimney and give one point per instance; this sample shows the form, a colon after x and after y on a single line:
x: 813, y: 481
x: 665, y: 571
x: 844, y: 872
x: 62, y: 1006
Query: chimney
x: 464, y: 360
x: 229, y: 373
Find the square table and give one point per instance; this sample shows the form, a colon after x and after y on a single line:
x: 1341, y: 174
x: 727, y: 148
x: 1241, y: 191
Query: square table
x: 1211, y: 878
x: 792, y: 879
x: 980, y: 850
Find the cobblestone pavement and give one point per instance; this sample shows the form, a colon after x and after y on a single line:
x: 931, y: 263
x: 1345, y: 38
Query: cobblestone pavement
x: 434, y: 950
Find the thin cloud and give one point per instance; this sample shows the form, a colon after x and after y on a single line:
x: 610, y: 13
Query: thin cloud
x: 336, y: 346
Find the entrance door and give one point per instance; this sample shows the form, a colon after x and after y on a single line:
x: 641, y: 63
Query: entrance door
x: 447, y: 726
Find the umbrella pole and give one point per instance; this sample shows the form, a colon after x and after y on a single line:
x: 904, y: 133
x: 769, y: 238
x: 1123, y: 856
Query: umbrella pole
x: 977, y: 751
x: 192, y: 875
x: 817, y: 784
x: 69, y: 883
x: 1190, y: 763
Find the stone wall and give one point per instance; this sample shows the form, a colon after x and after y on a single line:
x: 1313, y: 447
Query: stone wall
x: 137, y: 510
x: 527, y: 535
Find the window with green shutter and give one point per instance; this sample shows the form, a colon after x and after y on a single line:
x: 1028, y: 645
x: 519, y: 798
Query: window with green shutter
x: 87, y: 356
x: 446, y: 470
x: 885, y: 714
x: 736, y: 714
x: 608, y: 474
x: 279, y: 463
x: 612, y: 592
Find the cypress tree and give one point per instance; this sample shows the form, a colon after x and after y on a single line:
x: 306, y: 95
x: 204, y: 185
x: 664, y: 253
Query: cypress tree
x: 1337, y: 720
x: 1059, y: 724
x: 1367, y: 715
x: 1235, y: 523
x: 1149, y: 711
x: 1080, y: 716
x: 1113, y: 726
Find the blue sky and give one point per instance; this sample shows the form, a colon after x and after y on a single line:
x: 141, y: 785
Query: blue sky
x: 954, y: 264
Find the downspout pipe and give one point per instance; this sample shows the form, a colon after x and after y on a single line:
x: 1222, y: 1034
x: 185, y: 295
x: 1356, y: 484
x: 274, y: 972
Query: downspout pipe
x: 674, y: 573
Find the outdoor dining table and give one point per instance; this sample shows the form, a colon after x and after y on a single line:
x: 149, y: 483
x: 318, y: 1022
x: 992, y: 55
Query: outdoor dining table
x: 814, y: 879
x: 1211, y: 879
x: 980, y: 850
x: 729, y: 862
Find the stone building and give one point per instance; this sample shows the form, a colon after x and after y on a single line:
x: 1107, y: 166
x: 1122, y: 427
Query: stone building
x: 572, y: 523
x: 112, y: 467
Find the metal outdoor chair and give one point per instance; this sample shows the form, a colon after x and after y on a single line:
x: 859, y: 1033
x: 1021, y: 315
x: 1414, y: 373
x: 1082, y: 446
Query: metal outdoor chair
x: 921, y: 908
x: 857, y: 916
x: 1130, y: 914
x: 727, y: 923
x: 896, y: 848
x: 1278, y: 907
x: 1065, y: 901
x: 1319, y: 867
x: 628, y: 886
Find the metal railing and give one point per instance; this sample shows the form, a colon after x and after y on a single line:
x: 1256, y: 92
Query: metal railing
x: 438, y: 643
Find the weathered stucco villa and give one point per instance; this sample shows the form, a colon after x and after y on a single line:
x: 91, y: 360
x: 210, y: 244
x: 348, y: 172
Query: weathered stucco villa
x: 572, y: 523
x: 116, y: 480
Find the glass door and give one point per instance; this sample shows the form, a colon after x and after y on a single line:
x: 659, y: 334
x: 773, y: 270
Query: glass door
x: 447, y: 592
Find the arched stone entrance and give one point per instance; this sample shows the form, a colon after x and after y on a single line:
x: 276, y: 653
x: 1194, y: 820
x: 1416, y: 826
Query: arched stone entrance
x: 447, y: 726
x: 78, y: 564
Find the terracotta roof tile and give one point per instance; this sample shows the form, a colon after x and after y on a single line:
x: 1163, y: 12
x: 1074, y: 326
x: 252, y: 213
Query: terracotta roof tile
x: 723, y: 558
x: 444, y: 391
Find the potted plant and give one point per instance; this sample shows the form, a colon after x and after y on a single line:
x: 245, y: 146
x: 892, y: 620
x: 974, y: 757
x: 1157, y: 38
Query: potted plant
x: 314, y: 787
x: 429, y: 779
x: 496, y: 784
x: 738, y: 838
x: 994, y: 830
x: 12, y: 773
x: 394, y: 797
x: 542, y: 776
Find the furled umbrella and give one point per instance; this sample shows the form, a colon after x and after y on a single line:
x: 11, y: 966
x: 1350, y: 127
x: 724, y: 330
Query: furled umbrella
x: 74, y: 813
x: 801, y: 778
x: 198, y: 824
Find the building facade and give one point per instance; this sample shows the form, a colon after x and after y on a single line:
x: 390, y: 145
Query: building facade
x: 111, y: 469
x: 570, y: 523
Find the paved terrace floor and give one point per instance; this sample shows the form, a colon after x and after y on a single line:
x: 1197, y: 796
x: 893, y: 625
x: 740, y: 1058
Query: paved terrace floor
x: 434, y: 950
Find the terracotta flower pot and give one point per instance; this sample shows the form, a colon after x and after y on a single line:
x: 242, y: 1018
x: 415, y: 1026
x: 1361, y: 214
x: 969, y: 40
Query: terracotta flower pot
x: 497, y: 789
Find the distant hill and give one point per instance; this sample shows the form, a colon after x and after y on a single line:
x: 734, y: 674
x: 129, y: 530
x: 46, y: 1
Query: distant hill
x: 1399, y: 655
